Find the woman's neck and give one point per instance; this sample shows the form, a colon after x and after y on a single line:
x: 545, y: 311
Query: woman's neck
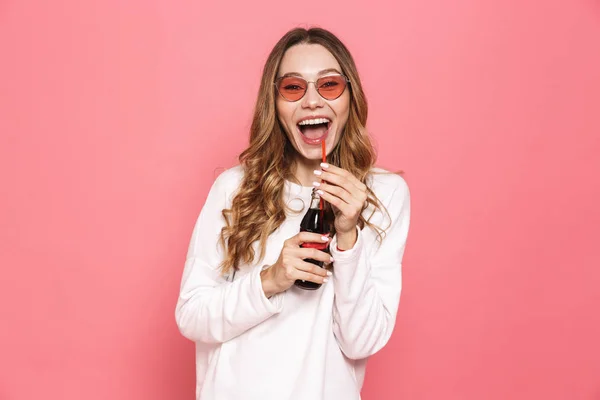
x: 303, y: 170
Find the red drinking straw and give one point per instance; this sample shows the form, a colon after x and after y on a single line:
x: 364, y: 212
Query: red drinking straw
x: 324, y: 156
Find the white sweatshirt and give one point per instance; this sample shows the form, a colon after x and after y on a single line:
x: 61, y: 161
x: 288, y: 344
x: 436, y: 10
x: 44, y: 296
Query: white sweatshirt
x: 299, y: 344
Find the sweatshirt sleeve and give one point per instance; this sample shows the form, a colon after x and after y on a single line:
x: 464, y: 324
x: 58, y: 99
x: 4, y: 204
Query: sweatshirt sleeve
x: 211, y: 308
x: 367, y: 286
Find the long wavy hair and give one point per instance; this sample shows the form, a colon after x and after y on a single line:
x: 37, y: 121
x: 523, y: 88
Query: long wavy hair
x: 258, y: 208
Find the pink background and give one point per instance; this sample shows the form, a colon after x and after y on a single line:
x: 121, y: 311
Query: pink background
x: 115, y: 117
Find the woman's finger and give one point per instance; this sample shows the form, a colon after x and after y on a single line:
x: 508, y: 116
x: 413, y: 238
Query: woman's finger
x: 306, y: 237
x: 308, y: 268
x: 312, y: 254
x: 307, y: 276
x: 332, y: 169
x: 340, y: 181
x: 335, y: 201
x: 335, y: 190
x: 356, y: 203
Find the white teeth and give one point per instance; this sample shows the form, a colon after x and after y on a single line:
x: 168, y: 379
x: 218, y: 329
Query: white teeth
x: 314, y: 121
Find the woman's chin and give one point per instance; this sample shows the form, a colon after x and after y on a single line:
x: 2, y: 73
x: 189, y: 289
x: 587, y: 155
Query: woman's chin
x: 312, y: 153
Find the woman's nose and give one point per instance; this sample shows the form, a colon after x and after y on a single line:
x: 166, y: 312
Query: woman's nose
x: 312, y: 99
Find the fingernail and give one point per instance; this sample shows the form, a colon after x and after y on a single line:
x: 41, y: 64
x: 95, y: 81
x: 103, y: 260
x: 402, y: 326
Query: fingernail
x: 324, y: 238
x: 317, y: 172
x: 325, y: 280
x: 316, y: 184
x: 320, y: 191
x: 324, y: 165
x: 332, y: 260
x: 328, y: 273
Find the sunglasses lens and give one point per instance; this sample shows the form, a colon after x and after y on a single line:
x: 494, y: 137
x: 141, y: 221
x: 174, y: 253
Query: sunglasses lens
x: 331, y: 87
x: 292, y: 88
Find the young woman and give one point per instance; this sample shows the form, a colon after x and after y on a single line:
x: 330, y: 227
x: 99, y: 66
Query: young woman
x: 259, y: 336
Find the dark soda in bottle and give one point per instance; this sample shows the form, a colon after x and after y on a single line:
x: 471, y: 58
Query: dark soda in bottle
x: 314, y: 221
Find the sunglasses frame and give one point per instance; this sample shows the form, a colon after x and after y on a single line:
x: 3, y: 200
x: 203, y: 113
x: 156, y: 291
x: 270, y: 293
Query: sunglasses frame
x: 278, y: 80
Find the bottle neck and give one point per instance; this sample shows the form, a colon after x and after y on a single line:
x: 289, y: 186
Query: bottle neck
x: 315, y: 199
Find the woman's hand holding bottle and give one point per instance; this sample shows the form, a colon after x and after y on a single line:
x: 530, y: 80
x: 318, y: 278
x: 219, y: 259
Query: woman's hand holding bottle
x: 290, y: 265
x: 347, y: 194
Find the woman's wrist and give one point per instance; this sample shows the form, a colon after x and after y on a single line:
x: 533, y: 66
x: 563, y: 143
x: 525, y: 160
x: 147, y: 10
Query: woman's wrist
x: 268, y: 285
x: 346, y: 240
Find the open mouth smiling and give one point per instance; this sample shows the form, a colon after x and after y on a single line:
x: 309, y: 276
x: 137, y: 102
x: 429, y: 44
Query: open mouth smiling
x: 314, y: 130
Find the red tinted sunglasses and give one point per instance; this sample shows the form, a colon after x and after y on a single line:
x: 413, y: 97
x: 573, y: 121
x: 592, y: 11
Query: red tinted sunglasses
x: 293, y: 88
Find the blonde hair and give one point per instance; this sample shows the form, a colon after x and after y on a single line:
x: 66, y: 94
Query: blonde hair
x: 258, y: 208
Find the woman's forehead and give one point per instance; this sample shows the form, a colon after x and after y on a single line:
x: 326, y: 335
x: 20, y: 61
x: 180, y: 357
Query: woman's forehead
x: 309, y: 61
